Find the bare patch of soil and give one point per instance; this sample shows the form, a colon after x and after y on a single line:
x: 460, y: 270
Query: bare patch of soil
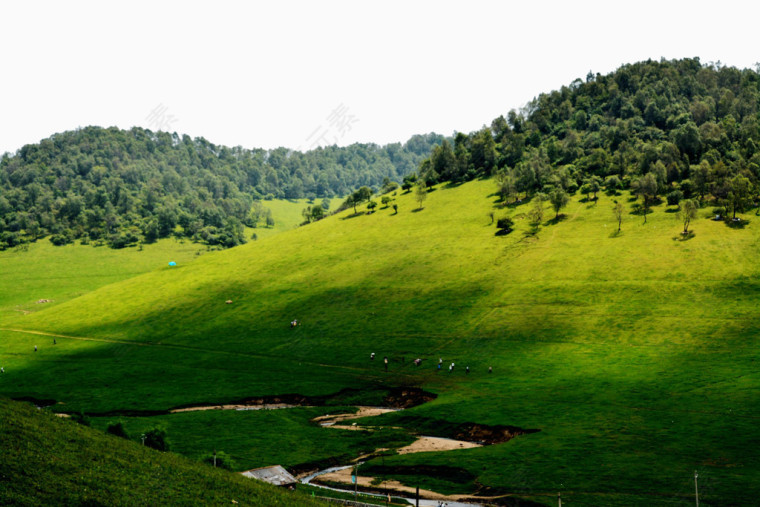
x: 266, y: 406
x: 436, y: 444
x: 489, y: 435
x: 332, y: 419
x: 407, y: 397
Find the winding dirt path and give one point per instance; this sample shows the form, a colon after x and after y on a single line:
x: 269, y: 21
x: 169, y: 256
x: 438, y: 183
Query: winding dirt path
x: 266, y: 406
x: 436, y: 444
x: 343, y: 477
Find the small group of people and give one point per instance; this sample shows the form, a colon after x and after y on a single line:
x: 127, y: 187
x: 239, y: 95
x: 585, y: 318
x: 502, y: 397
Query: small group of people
x: 293, y: 323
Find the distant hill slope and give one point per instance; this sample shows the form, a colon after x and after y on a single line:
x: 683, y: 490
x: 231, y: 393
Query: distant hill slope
x: 50, y: 461
x: 123, y: 186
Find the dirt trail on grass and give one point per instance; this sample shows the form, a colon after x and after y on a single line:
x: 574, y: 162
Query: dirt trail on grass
x: 343, y: 477
x: 331, y: 419
x: 271, y: 406
x: 436, y: 444
x: 340, y: 477
x: 422, y: 444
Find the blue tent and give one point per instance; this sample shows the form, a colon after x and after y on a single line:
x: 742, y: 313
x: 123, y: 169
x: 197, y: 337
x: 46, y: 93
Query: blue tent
x: 172, y: 263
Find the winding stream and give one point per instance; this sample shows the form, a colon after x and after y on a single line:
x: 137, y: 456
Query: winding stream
x: 422, y: 501
x: 424, y: 444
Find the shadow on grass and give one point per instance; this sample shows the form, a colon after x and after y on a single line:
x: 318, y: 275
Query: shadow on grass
x: 684, y: 236
x: 559, y: 218
x: 417, y: 210
x: 532, y: 232
x: 672, y: 210
x: 639, y: 211
x: 454, y: 184
x: 616, y: 234
x: 736, y: 223
x: 353, y: 215
x: 503, y: 232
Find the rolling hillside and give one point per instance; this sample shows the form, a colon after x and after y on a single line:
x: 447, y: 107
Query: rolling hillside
x: 41, y: 272
x: 634, y: 354
x: 50, y: 461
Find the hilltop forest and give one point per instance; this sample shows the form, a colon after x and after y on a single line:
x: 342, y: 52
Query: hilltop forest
x: 674, y: 129
x: 118, y: 187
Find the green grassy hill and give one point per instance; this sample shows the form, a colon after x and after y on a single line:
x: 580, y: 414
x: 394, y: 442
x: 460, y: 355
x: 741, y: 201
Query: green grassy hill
x: 634, y: 354
x: 42, y: 271
x: 50, y: 461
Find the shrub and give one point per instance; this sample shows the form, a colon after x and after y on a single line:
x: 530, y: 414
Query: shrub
x: 117, y: 429
x: 223, y: 460
x: 505, y: 224
x: 156, y: 439
x: 79, y: 417
x: 59, y: 239
x: 674, y: 197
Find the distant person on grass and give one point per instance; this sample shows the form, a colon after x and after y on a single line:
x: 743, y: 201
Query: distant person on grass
x: 385, y: 360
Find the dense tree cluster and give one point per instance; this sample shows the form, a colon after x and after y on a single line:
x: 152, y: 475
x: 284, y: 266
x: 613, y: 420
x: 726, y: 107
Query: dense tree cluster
x: 119, y: 187
x: 679, y: 129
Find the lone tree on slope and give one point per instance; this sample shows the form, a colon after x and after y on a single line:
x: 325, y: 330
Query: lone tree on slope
x: 618, y: 210
x: 559, y: 200
x: 687, y: 213
x: 420, y: 194
x: 646, y: 187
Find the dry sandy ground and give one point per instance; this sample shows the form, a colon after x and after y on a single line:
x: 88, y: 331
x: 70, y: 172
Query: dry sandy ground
x: 331, y: 419
x: 272, y: 406
x: 433, y: 444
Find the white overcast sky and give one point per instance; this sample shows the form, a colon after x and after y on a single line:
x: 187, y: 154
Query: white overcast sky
x: 269, y: 74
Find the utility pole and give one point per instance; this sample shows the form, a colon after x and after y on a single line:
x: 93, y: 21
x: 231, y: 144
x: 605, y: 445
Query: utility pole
x: 696, y: 488
x: 559, y: 499
x: 143, y: 438
x: 417, y: 503
x: 214, y: 458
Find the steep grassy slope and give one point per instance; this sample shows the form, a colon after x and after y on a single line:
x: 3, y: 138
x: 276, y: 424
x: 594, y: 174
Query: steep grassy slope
x: 634, y: 354
x: 50, y: 461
